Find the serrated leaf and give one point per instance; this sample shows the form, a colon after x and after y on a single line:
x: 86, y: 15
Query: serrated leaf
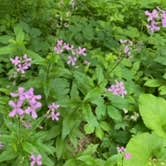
x: 114, y: 113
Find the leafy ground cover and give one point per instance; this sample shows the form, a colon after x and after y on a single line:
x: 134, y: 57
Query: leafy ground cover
x: 83, y: 83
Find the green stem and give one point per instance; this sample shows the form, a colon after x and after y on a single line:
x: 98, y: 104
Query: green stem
x: 117, y: 63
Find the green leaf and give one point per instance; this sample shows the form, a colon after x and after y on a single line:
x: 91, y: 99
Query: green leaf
x: 152, y: 83
x: 99, y: 133
x: 114, y: 113
x: 99, y: 74
x: 152, y: 110
x: 118, y: 101
x: 69, y: 122
x: 60, y: 145
x: 93, y: 94
x: 162, y: 90
x: 30, y: 148
x: 6, y: 50
x: 19, y: 33
x: 84, y: 83
x: 105, y: 126
x: 89, y: 116
x: 7, y: 155
x: 89, y: 129
x: 144, y: 148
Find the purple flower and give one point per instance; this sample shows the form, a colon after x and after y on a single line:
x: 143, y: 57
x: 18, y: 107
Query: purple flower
x: 81, y: 51
x: 152, y: 15
x: 72, y: 60
x: 128, y: 156
x: 153, y: 27
x: 27, y: 103
x: 127, y: 44
x: 55, y: 115
x: 121, y: 149
x: 52, y: 112
x: 17, y: 110
x: 118, y: 89
x: 59, y: 47
x: 36, y: 160
x: 22, y: 64
x: 164, y: 19
x: 15, y: 61
x: 53, y: 107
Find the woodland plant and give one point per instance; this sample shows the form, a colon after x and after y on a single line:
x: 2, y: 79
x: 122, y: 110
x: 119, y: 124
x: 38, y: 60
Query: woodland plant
x: 96, y: 97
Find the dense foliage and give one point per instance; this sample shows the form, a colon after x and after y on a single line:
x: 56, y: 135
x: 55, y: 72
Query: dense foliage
x: 83, y: 82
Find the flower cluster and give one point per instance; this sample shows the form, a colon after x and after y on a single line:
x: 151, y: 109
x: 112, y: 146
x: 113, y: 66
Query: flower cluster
x: 127, y: 44
x: 26, y: 102
x: 118, y: 89
x: 122, y: 150
x: 75, y: 53
x: 22, y: 64
x: 36, y: 160
x: 156, y: 19
x: 52, y: 112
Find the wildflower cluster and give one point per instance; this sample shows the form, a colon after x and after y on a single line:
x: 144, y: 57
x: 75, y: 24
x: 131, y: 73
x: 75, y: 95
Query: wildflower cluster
x: 26, y: 103
x: 53, y: 111
x: 127, y: 44
x: 36, y: 160
x: 118, y: 89
x: 22, y: 64
x: 156, y: 19
x: 75, y: 53
x: 122, y: 150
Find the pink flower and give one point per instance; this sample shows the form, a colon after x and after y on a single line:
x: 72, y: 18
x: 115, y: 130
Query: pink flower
x: 36, y: 160
x: 153, y: 27
x: 72, y: 61
x: 55, y: 115
x: 164, y: 19
x: 81, y: 51
x: 59, y: 47
x: 121, y: 149
x: 128, y: 156
x: 152, y: 15
x: 22, y: 64
x: 17, y: 110
x: 15, y: 61
x: 27, y: 103
x: 52, y: 112
x: 53, y: 107
x: 127, y: 44
x: 118, y: 89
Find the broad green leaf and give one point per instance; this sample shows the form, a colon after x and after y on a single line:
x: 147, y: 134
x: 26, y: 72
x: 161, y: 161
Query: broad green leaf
x: 153, y: 113
x: 152, y: 83
x: 144, y: 148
